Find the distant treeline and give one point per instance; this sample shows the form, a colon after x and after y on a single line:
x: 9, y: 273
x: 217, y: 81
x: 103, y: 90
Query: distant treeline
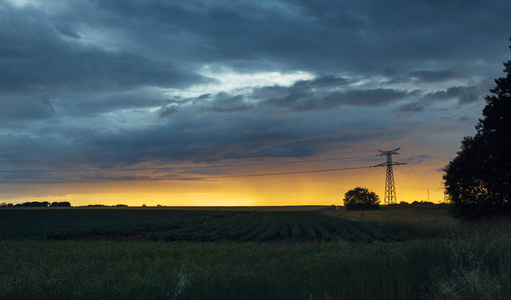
x: 102, y: 205
x: 67, y: 204
x: 417, y: 202
x: 37, y: 204
x: 53, y: 204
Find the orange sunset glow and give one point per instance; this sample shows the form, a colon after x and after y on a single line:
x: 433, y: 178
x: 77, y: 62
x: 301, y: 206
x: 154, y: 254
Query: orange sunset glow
x: 233, y: 189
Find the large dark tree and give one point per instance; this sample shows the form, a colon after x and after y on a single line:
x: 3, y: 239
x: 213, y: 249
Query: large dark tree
x: 361, y: 199
x: 478, y: 180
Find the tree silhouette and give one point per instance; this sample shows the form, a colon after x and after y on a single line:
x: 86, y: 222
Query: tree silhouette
x: 60, y: 204
x: 361, y: 198
x: 478, y: 180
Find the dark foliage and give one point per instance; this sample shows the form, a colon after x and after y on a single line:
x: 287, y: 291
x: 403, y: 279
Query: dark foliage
x: 33, y: 204
x: 422, y: 202
x: 60, y: 204
x: 361, y: 199
x: 37, y: 204
x: 478, y: 180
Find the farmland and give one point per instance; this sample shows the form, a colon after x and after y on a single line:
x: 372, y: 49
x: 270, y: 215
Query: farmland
x: 249, y: 253
x: 192, y: 225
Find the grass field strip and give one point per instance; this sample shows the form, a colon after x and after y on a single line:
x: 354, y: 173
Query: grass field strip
x: 193, y: 225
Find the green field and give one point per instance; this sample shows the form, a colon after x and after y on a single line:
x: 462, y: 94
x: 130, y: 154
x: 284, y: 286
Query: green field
x: 195, y: 225
x: 400, y: 252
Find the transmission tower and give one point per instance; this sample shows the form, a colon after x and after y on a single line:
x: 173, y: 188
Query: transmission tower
x: 390, y: 187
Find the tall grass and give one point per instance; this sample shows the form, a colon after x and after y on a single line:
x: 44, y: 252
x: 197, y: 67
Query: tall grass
x: 77, y: 270
x: 479, y: 252
x: 433, y: 217
x: 481, y: 268
x: 465, y: 261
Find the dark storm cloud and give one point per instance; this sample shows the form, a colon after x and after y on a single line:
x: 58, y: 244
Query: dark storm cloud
x: 66, y: 30
x: 413, y: 107
x: 109, y: 102
x: 168, y: 110
x: 206, y: 139
x: 370, y: 97
x: 108, y: 81
x: 186, y: 137
x: 298, y: 98
x: 411, y: 33
x: 36, y: 106
x: 319, y: 35
x: 423, y: 76
x: 321, y: 93
x: 220, y: 103
x: 253, y: 34
x: 227, y: 104
x: 89, y: 70
x: 19, y: 107
x: 434, y: 76
x: 329, y: 81
x: 464, y: 119
x: 464, y: 94
x: 303, y: 95
x: 38, y: 58
x: 212, y: 141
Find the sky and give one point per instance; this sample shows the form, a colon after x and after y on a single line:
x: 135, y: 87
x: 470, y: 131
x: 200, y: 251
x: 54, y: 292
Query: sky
x: 177, y: 102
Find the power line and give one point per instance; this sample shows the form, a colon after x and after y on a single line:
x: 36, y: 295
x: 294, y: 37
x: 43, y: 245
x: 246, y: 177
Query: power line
x: 296, y: 172
x: 414, y: 179
x: 424, y: 178
x: 426, y: 184
x: 420, y: 175
x: 188, y: 178
x: 403, y: 179
x: 186, y: 167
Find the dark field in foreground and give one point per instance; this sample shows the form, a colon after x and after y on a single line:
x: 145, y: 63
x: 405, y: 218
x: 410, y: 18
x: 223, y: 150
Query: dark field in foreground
x: 194, y: 225
x: 184, y: 270
x: 397, y: 253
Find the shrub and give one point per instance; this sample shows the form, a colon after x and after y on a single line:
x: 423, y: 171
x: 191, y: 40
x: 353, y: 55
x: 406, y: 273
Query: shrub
x: 361, y: 199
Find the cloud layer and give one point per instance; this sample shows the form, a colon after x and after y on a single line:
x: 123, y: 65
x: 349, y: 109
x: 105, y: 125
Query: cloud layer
x: 123, y: 83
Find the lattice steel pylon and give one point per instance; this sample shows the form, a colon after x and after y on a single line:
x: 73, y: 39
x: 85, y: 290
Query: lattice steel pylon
x: 390, y: 187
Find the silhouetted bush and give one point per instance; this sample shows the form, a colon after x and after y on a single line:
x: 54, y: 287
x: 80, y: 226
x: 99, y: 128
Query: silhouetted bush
x: 33, y: 204
x: 60, y: 204
x: 361, y: 199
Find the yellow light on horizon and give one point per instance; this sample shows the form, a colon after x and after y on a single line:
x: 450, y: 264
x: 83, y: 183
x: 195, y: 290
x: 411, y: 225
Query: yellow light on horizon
x: 302, y: 189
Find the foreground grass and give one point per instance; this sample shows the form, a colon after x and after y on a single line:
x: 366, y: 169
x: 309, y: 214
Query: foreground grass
x: 465, y: 261
x: 476, y: 268
x: 479, y: 252
x: 425, y: 217
x: 85, y: 270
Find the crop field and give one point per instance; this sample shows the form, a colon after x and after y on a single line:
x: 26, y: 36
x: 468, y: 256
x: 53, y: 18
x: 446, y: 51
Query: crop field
x: 63, y: 224
x: 246, y: 253
x: 193, y: 225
